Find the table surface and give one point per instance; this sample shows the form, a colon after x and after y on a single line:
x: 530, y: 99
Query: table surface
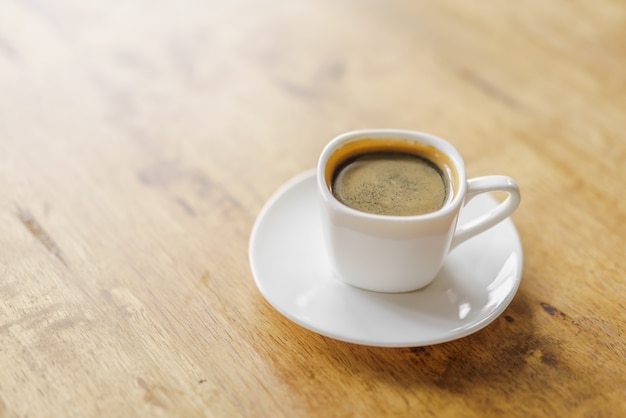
x: 139, y: 141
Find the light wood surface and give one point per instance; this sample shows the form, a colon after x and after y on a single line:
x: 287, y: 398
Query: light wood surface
x: 140, y: 139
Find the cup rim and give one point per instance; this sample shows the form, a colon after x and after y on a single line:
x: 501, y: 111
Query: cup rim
x: 425, y: 138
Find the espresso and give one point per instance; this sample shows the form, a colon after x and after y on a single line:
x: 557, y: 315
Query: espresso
x: 391, y: 183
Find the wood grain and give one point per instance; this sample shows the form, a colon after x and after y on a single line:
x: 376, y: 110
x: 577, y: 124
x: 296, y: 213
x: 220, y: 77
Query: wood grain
x: 139, y: 140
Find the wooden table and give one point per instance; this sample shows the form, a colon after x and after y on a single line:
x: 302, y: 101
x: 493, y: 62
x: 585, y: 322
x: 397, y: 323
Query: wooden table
x: 139, y: 140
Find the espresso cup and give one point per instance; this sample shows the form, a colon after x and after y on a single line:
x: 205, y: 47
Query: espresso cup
x: 390, y: 201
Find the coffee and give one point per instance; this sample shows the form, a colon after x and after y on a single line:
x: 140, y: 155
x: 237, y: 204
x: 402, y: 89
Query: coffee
x: 391, y: 183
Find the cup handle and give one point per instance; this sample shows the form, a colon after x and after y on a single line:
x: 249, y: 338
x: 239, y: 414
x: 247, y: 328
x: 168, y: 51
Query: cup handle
x: 479, y: 185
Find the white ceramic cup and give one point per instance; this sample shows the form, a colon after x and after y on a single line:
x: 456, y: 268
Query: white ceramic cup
x: 386, y: 253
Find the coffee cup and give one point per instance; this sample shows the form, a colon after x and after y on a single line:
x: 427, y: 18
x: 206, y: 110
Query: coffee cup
x: 390, y: 201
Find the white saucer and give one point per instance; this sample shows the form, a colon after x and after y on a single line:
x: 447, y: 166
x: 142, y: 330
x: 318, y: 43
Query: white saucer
x: 290, y: 268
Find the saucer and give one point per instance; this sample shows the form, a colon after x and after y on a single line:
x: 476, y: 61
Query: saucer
x: 290, y: 267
